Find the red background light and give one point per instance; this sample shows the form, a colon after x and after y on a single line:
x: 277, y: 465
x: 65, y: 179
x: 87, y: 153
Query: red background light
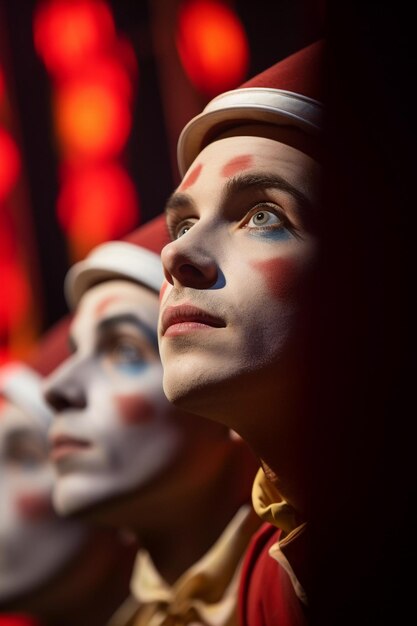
x: 212, y: 46
x: 9, y: 163
x: 97, y: 204
x: 1, y: 83
x: 92, y: 120
x: 68, y: 31
x: 16, y: 294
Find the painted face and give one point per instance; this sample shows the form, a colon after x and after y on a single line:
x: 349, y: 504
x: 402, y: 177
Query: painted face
x: 112, y: 432
x: 237, y: 272
x: 34, y: 543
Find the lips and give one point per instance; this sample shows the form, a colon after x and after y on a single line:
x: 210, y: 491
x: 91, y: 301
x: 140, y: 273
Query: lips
x: 181, y: 319
x: 62, y: 446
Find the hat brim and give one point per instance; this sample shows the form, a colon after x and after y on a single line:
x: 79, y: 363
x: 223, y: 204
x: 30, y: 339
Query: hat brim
x: 241, y: 106
x: 113, y: 260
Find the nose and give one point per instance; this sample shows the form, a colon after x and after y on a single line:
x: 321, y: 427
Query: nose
x: 187, y: 264
x: 64, y: 389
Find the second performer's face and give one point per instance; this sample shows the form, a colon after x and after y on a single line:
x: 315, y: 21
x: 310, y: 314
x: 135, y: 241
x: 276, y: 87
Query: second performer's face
x: 113, y: 430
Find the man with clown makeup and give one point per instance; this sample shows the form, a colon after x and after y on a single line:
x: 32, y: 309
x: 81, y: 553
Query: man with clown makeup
x: 126, y: 457
x: 46, y: 561
x: 273, y: 322
x: 235, y: 308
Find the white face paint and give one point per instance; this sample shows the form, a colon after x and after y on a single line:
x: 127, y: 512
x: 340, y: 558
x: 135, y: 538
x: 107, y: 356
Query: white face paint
x: 113, y: 430
x: 35, y: 544
x: 237, y: 268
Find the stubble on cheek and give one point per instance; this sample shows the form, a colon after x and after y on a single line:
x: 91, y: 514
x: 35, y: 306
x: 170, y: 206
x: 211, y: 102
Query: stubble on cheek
x: 135, y: 409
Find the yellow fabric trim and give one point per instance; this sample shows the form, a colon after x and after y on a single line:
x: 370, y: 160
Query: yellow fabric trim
x: 270, y: 506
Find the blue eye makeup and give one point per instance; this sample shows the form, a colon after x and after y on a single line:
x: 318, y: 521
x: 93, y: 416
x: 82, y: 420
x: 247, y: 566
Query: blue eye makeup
x: 268, y: 224
x: 127, y: 357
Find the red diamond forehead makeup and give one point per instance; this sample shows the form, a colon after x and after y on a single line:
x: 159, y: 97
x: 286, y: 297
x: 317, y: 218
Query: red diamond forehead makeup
x: 191, y: 178
x: 135, y: 409
x: 237, y: 164
x: 102, y: 306
x: 280, y: 275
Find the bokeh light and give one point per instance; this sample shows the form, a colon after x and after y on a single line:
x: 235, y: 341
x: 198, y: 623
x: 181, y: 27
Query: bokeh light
x: 14, y: 306
x: 66, y: 32
x: 97, y: 204
x: 9, y: 163
x: 212, y: 46
x: 2, y: 84
x: 92, y: 120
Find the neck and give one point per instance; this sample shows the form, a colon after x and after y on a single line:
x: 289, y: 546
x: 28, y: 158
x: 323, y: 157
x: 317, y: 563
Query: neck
x: 277, y: 425
x: 186, y: 535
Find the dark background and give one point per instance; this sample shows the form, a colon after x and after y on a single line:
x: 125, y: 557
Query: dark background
x: 274, y: 29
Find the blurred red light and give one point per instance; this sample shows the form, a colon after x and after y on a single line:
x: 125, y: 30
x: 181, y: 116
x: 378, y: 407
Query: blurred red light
x: 105, y: 71
x: 2, y: 83
x: 9, y: 163
x: 92, y: 120
x: 97, y: 204
x: 66, y: 32
x: 8, y: 242
x: 124, y: 52
x: 15, y: 295
x: 212, y: 46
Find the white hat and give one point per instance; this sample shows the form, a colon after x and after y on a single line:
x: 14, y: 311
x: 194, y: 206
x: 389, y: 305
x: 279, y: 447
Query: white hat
x: 137, y: 258
x: 288, y: 93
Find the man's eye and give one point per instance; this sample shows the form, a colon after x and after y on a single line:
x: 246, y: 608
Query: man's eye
x: 183, y: 227
x: 125, y: 352
x: 27, y: 453
x: 264, y: 218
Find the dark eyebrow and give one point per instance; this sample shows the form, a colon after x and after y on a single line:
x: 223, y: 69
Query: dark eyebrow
x: 178, y: 200
x: 241, y: 182
x: 129, y: 318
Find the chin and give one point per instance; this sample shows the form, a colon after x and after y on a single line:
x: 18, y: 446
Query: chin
x: 72, y: 497
x: 196, y: 394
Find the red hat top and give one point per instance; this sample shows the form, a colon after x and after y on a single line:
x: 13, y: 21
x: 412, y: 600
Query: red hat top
x: 136, y: 257
x: 21, y: 382
x: 287, y: 94
x: 52, y: 348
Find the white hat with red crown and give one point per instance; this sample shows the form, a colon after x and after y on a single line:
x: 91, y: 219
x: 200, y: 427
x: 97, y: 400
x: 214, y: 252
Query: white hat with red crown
x: 287, y: 94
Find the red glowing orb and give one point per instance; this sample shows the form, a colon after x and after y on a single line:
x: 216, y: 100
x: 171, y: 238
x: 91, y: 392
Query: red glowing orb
x: 15, y: 298
x: 92, y: 120
x: 97, y: 204
x: 212, y: 46
x: 66, y: 32
x: 9, y: 163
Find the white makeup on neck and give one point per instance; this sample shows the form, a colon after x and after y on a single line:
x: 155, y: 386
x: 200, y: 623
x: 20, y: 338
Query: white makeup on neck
x: 113, y: 430
x: 35, y: 544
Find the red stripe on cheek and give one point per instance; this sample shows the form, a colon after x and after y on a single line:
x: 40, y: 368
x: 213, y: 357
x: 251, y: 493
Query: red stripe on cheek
x: 135, y: 409
x: 281, y: 276
x: 163, y: 289
x: 33, y: 507
x: 191, y: 178
x: 237, y: 164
